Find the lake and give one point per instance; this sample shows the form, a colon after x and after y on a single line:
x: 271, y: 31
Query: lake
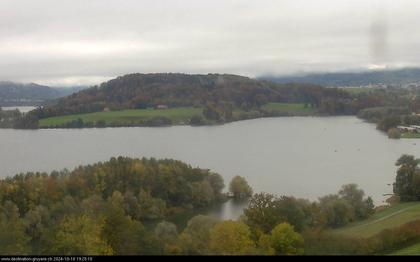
x: 301, y: 156
x: 22, y: 109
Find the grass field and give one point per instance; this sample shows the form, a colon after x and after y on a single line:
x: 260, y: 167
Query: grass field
x: 410, y: 135
x: 179, y: 115
x: 411, y: 250
x: 292, y: 108
x: 393, y: 216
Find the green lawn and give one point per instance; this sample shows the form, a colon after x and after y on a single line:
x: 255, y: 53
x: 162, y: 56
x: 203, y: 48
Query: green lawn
x: 410, y: 135
x: 180, y: 115
x: 393, y: 216
x: 292, y: 108
x: 411, y: 250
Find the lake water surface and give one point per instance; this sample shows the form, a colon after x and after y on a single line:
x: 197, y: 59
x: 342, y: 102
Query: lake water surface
x: 22, y: 109
x: 301, y: 156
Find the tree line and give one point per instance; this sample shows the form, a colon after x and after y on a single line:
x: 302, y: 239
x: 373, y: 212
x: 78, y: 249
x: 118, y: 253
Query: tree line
x: 16, y: 119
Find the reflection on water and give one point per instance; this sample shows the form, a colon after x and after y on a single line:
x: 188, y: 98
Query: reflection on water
x: 22, y: 109
x: 231, y: 209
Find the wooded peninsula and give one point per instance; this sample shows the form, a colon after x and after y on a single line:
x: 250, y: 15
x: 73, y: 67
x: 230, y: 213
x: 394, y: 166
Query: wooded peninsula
x: 125, y: 206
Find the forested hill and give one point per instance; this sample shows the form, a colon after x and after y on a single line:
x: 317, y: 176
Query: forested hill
x: 136, y: 91
x: 14, y: 94
x: 388, y: 77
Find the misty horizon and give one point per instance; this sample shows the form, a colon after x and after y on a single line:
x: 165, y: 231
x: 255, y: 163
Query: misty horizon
x: 262, y: 76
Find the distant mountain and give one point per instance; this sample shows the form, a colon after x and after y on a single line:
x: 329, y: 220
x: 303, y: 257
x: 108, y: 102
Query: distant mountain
x: 399, y: 78
x: 15, y: 94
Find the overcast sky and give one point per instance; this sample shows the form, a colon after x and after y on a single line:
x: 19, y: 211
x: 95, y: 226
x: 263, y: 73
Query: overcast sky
x: 66, y: 42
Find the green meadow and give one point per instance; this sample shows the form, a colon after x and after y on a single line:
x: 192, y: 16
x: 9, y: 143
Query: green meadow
x: 390, y: 217
x: 180, y: 115
x: 410, y: 135
x: 408, y: 251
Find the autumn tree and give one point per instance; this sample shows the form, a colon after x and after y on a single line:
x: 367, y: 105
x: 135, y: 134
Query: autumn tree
x: 338, y: 211
x: 239, y: 188
x: 231, y: 238
x: 37, y: 222
x: 13, y: 240
x: 120, y: 231
x: 355, y: 197
x: 217, y: 183
x: 79, y: 235
x: 148, y: 207
x: 167, y: 234
x: 394, y: 133
x: 262, y: 213
x: 285, y: 241
x: 202, y: 194
x: 196, y: 236
x: 407, y: 181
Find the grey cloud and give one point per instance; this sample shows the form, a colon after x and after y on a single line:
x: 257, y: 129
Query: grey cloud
x: 79, y: 41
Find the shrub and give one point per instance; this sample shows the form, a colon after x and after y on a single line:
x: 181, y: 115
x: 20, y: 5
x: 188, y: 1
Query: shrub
x: 394, y: 133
